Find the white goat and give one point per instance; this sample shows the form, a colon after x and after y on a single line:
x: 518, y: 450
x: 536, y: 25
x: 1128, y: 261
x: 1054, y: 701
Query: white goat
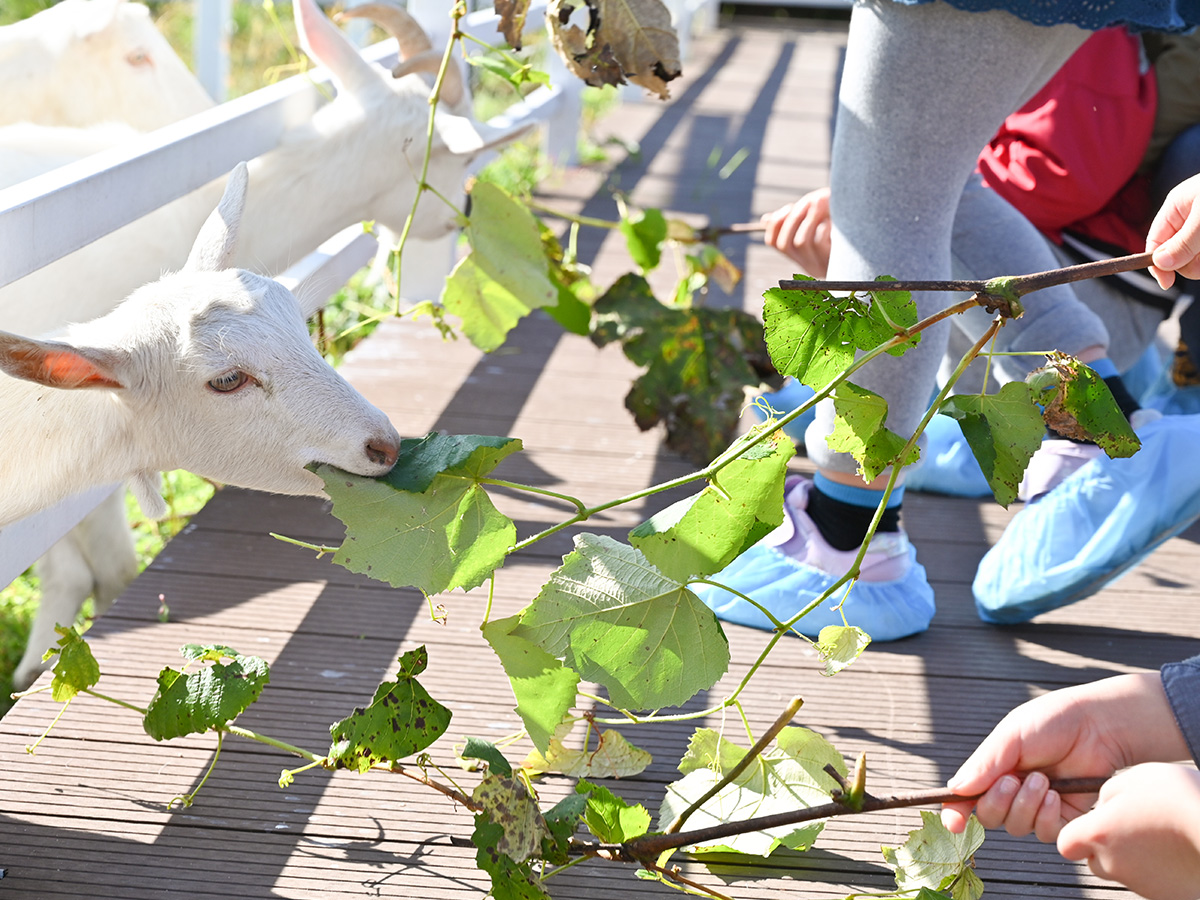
x: 210, y: 369
x: 358, y: 158
x: 86, y: 61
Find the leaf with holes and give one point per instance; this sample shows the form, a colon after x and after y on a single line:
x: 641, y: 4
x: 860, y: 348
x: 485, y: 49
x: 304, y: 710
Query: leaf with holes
x: 938, y: 860
x: 512, y: 15
x: 1003, y: 430
x: 205, y: 699
x: 615, y: 619
x: 1079, y: 405
x: 75, y: 669
x: 612, y: 757
x: 787, y: 776
x: 401, y: 719
x: 859, y: 430
x: 543, y: 686
x: 700, y: 535
x: 609, y: 41
x: 505, y: 276
x: 429, y: 523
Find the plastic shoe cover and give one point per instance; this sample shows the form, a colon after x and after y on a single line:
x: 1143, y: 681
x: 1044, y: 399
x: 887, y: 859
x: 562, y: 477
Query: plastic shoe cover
x: 947, y: 464
x: 791, y: 396
x: 1098, y: 523
x: 1057, y: 459
x: 794, y: 565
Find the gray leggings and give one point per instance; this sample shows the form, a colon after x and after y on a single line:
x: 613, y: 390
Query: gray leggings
x: 924, y: 88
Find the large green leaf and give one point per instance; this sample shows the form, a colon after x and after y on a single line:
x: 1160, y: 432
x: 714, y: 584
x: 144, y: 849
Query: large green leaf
x: 936, y: 859
x: 697, y: 363
x: 75, y: 669
x: 700, y: 535
x: 787, y: 776
x: 1082, y: 407
x: 429, y: 523
x: 506, y: 274
x: 616, y: 620
x: 204, y: 699
x: 813, y: 335
x: 859, y: 430
x: 401, y: 719
x: 543, y: 686
x: 1004, y: 430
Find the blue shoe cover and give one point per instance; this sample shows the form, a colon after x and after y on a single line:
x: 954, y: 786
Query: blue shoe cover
x: 886, y: 610
x: 791, y: 396
x: 1094, y: 526
x: 947, y: 464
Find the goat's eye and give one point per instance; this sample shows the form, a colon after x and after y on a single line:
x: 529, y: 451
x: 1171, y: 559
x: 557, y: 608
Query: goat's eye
x: 230, y: 381
x: 138, y: 58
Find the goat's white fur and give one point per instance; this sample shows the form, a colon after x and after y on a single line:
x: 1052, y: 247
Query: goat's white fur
x: 86, y: 61
x: 132, y: 393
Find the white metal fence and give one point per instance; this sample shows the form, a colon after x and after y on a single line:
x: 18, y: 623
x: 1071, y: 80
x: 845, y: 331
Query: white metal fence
x: 57, y: 212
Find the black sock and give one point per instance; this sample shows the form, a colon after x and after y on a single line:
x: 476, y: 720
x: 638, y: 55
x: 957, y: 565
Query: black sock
x: 845, y: 525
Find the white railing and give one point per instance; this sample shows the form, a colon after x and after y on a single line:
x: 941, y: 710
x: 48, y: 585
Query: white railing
x: 58, y: 212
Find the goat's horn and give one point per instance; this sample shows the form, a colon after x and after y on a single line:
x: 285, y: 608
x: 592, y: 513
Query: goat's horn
x: 416, y: 50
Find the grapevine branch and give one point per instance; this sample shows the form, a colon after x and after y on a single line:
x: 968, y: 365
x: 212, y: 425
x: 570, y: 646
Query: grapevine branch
x: 651, y: 845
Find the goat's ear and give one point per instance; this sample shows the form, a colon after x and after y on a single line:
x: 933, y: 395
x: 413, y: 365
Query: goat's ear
x: 325, y: 44
x: 217, y: 240
x: 56, y: 365
x: 464, y: 136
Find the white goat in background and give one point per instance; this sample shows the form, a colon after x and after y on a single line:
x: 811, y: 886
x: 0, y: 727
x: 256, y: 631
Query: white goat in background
x: 358, y: 158
x: 86, y: 61
x: 210, y: 369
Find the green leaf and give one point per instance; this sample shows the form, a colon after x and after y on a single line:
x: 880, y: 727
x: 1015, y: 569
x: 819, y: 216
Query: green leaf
x: 543, y: 686
x: 509, y: 805
x: 511, y: 880
x: 609, y: 818
x: 700, y: 535
x: 644, y: 230
x: 787, y: 776
x: 447, y: 535
x: 890, y: 308
x: 75, y: 669
x: 859, y: 430
x: 696, y: 361
x: 1082, y: 408
x: 562, y: 820
x: 612, y: 757
x: 207, y: 652
x: 572, y: 311
x: 401, y: 719
x: 205, y: 699
x: 616, y: 620
x: 813, y: 335
x: 505, y: 276
x: 840, y: 645
x: 477, y: 748
x: 1003, y: 430
x: 936, y: 859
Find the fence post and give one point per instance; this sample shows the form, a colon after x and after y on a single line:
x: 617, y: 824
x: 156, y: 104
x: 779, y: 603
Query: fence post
x: 210, y: 45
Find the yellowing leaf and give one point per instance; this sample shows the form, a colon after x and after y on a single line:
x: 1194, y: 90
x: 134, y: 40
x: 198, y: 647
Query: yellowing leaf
x: 613, y: 757
x: 609, y: 41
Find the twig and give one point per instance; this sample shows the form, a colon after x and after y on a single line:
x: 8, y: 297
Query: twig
x: 650, y: 846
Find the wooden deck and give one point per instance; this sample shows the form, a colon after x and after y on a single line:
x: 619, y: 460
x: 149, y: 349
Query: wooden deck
x: 89, y: 815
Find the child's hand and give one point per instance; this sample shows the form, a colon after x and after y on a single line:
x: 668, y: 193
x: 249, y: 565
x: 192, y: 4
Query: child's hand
x: 1143, y: 832
x: 1174, y: 235
x: 802, y: 231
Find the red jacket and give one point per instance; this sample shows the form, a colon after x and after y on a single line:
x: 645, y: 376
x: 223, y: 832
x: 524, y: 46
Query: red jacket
x: 1067, y: 158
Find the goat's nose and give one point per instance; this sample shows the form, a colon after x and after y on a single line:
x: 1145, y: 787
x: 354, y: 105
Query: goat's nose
x: 383, y: 450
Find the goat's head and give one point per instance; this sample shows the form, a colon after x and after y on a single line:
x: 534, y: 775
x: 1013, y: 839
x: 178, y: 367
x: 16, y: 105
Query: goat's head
x: 396, y: 104
x: 212, y: 369
x: 86, y: 61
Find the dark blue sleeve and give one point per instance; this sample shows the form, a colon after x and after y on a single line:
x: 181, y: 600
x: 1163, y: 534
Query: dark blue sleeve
x: 1182, y: 683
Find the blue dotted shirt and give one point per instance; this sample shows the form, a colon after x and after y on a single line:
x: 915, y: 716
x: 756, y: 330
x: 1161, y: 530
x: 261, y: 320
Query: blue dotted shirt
x: 1141, y: 15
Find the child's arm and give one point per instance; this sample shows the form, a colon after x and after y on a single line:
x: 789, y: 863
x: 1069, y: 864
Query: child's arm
x: 802, y: 232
